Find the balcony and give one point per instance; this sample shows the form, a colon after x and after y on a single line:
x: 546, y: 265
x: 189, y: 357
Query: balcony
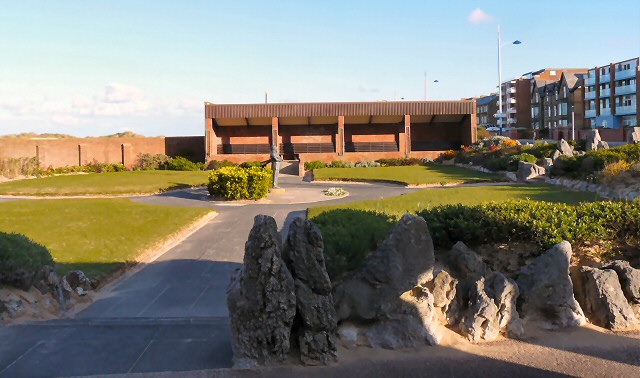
x: 590, y: 81
x: 512, y: 100
x: 625, y: 89
x: 626, y: 110
x: 605, y: 111
x: 605, y: 92
x: 590, y: 95
x: 512, y: 120
x: 605, y: 78
x: 590, y: 113
x: 626, y: 74
x: 511, y: 111
x: 511, y: 90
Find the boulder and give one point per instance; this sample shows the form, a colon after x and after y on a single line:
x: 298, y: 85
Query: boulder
x: 77, y: 282
x: 593, y: 140
x: 629, y: 278
x: 565, y: 148
x: 504, y: 292
x: 556, y: 155
x: 444, y: 289
x: 547, y: 291
x: 403, y: 260
x: 604, y: 301
x: 480, y: 320
x: 528, y: 171
x: 47, y: 281
x: 464, y: 262
x: 634, y: 135
x: 261, y: 299
x: 316, y: 328
x: 545, y: 163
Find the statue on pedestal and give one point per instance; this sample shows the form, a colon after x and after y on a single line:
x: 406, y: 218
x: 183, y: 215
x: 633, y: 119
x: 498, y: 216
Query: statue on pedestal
x: 276, y: 161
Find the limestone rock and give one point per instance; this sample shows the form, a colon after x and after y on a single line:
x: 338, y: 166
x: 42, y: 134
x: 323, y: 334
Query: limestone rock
x: 602, y: 145
x: 464, y: 261
x: 545, y: 163
x: 76, y: 281
x: 261, y: 299
x: 403, y: 260
x: 593, y: 140
x: 547, y: 290
x: 304, y: 255
x: 629, y: 278
x: 480, y: 321
x: 565, y: 148
x: 504, y: 292
x: 634, y: 135
x: 604, y: 301
x: 556, y: 155
x: 528, y: 171
x: 444, y: 289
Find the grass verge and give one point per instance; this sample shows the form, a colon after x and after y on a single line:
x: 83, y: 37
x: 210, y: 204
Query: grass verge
x: 410, y: 175
x: 98, y: 236
x: 112, y: 183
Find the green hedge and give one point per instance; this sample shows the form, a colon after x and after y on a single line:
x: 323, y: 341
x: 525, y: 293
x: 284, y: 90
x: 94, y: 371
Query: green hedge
x: 20, y: 260
x: 350, y: 235
x: 236, y: 183
x: 584, y: 166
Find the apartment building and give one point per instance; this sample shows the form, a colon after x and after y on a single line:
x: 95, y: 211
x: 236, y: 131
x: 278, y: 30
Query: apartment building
x: 486, y: 108
x: 557, y: 105
x: 611, y: 95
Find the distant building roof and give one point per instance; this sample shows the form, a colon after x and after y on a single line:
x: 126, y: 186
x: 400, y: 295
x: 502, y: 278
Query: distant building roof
x: 485, y: 100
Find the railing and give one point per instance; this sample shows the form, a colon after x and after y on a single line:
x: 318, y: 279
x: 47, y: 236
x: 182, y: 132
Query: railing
x: 625, y: 89
x: 590, y: 113
x: 605, y: 92
x: 590, y: 95
x: 624, y: 110
x: 434, y: 145
x: 590, y: 81
x: 302, y: 148
x: 371, y: 147
x: 605, y: 111
x: 244, y: 149
x: 512, y: 100
x: 626, y: 74
x: 511, y: 90
x: 605, y: 78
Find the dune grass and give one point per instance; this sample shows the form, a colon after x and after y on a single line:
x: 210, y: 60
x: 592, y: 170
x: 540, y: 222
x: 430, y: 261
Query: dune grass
x: 98, y: 236
x: 409, y: 175
x: 112, y: 183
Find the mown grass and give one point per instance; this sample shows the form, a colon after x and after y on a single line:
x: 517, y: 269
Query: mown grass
x: 409, y: 175
x: 112, y: 183
x: 97, y: 236
x: 422, y: 199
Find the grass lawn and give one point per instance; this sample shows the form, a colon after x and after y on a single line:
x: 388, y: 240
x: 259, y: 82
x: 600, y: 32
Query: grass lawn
x: 134, y: 182
x: 419, y: 200
x: 411, y: 175
x: 97, y: 236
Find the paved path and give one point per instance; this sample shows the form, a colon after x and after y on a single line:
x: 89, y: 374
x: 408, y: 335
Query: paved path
x: 171, y: 315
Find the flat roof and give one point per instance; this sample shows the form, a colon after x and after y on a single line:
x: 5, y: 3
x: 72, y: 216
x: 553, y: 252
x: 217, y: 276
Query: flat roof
x: 320, y: 109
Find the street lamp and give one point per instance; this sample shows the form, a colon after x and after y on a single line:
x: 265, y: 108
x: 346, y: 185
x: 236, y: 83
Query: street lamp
x: 500, y: 115
x: 426, y: 86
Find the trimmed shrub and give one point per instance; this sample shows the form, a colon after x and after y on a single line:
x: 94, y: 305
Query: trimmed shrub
x: 612, y: 171
x: 249, y: 164
x: 399, y: 162
x: 147, y: 162
x: 217, y: 164
x: 340, y: 164
x: 309, y: 165
x: 20, y: 260
x: 180, y: 163
x: 236, y: 183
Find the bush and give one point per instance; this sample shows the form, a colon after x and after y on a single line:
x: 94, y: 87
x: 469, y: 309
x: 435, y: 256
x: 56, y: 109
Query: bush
x: 148, y: 162
x: 349, y: 236
x: 20, y: 260
x: 236, y: 183
x: 217, y: 164
x: 482, y: 133
x: 13, y: 167
x: 399, y: 162
x: 249, y: 164
x: 514, y: 159
x: 340, y: 164
x: 366, y: 164
x: 612, y: 171
x: 309, y: 165
x: 180, y: 163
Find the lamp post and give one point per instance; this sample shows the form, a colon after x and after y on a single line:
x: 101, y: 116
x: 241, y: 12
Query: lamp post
x: 426, y: 86
x: 501, y: 115
x: 573, y: 122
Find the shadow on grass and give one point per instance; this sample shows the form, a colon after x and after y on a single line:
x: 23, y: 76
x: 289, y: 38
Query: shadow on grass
x: 95, y: 270
x: 465, y: 175
x: 551, y: 193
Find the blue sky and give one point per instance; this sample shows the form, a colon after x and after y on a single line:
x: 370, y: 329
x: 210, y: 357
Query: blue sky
x: 99, y: 67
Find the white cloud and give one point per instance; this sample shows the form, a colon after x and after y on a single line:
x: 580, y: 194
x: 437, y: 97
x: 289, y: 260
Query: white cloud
x: 478, y: 16
x: 119, y: 93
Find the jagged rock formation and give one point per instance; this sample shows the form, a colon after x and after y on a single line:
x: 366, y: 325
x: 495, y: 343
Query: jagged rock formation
x: 404, y: 260
x: 565, y: 148
x: 547, y: 290
x: 604, y: 301
x: 593, y: 140
x: 316, y: 331
x: 629, y: 279
x: 527, y: 171
x: 261, y: 299
x: 634, y: 135
x: 480, y: 320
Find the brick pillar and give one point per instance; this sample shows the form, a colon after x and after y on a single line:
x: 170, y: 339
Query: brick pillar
x: 211, y: 139
x: 407, y: 135
x: 275, y: 139
x: 402, y: 139
x: 340, y: 136
x: 474, y: 124
x: 127, y: 155
x: 83, y: 152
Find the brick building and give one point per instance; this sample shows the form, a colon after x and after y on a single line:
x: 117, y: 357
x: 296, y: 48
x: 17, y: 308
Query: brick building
x: 349, y: 131
x: 486, y: 108
x: 611, y: 95
x: 556, y: 105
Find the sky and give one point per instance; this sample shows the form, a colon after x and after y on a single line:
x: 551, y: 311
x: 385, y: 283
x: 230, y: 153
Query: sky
x: 92, y: 67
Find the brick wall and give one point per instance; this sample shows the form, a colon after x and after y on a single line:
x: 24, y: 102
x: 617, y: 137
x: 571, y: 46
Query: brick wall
x: 80, y: 151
